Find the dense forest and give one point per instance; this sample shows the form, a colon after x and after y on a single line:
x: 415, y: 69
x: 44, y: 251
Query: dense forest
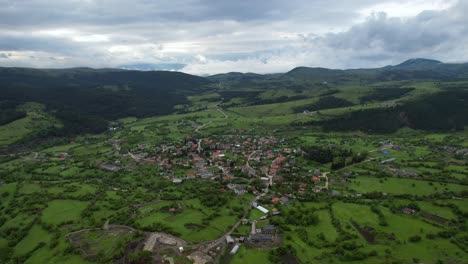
x: 326, y: 102
x: 253, y: 98
x: 445, y: 111
x: 382, y: 94
x: 338, y: 156
x: 8, y: 112
x: 85, y: 99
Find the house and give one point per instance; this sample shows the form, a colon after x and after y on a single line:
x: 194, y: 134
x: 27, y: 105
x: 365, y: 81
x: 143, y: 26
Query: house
x: 108, y: 167
x: 248, y: 170
x: 63, y: 155
x: 261, y: 238
x: 218, y: 154
x: 237, y: 188
x: 263, y: 209
x: 190, y: 175
x: 284, y: 201
x: 315, y: 179
x: 396, y: 147
x: 205, y: 174
x: 279, y: 160
x: 387, y: 160
x: 335, y: 193
x: 229, y: 240
x: 273, y: 170
x: 276, y: 200
x: 234, y: 249
x: 176, y: 180
x: 408, y: 211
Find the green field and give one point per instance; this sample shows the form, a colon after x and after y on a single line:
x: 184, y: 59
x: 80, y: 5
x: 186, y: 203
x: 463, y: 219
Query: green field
x: 403, y: 186
x: 61, y: 211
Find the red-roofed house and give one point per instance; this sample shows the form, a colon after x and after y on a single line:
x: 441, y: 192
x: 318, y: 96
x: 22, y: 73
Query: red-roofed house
x: 279, y: 160
x: 315, y: 179
x: 218, y: 154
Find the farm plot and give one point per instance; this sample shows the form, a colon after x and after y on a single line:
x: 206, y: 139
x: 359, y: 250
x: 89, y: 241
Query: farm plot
x: 100, y: 242
x: 62, y: 211
x: 402, y: 186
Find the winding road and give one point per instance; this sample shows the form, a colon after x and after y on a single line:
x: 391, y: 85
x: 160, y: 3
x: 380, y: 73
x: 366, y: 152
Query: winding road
x: 218, y: 108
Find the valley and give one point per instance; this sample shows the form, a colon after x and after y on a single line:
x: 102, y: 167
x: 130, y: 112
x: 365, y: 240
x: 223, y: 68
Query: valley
x: 307, y: 167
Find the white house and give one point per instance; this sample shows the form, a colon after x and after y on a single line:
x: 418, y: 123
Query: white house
x: 263, y: 209
x: 234, y: 249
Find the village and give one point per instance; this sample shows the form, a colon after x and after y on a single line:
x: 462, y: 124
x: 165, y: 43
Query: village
x: 232, y: 158
x: 220, y: 197
x: 245, y: 164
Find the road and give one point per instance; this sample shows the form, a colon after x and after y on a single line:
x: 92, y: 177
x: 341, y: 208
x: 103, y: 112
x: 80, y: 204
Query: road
x: 202, y: 126
x: 199, y: 148
x: 270, y: 177
x: 222, y: 112
x: 213, y: 243
x: 133, y: 156
x: 148, y: 203
x: 250, y: 157
x: 367, y: 160
x: 209, y: 122
x: 222, y: 169
x: 324, y: 175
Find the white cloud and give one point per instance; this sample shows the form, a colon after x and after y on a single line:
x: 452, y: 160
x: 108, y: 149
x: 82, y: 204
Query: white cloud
x: 407, y: 8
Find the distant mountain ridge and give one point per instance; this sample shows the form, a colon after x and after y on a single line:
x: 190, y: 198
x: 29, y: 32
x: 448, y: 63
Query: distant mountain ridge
x: 85, y: 99
x: 417, y: 63
x: 153, y: 66
x: 412, y: 69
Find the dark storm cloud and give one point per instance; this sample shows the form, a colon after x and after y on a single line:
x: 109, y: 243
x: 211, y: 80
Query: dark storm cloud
x: 39, y: 12
x: 41, y: 44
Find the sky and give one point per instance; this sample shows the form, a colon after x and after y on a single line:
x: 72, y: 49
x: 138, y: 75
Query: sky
x: 215, y: 36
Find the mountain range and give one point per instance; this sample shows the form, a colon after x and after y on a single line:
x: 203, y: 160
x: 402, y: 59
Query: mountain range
x: 85, y: 99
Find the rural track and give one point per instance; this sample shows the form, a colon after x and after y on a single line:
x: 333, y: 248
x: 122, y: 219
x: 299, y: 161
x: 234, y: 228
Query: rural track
x: 211, y: 121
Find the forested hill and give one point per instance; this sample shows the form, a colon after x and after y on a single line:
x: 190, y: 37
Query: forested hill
x: 84, y: 98
x: 413, y: 69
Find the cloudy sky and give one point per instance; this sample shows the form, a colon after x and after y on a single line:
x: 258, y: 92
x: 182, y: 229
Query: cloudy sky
x: 213, y: 36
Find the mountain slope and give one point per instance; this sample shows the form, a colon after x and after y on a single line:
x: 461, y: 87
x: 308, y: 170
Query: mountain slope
x: 89, y: 97
x: 413, y: 69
